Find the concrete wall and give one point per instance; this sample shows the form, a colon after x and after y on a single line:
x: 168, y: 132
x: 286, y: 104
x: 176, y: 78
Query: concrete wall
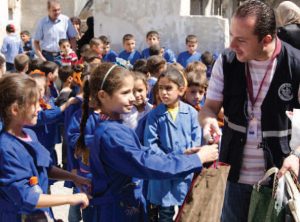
x: 169, y: 17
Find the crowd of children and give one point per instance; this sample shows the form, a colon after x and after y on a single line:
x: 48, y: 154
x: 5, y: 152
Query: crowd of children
x: 128, y: 122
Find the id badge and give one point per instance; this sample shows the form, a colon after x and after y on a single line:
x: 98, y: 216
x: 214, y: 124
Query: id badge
x: 252, y: 129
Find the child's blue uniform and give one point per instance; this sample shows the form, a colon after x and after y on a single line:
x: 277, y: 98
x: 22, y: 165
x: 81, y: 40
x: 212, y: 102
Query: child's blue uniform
x: 19, y: 161
x: 185, y: 58
x: 168, y: 55
x: 83, y: 170
x: 47, y: 129
x: 115, y: 158
x: 110, y: 56
x: 165, y: 134
x: 130, y: 56
x: 69, y: 115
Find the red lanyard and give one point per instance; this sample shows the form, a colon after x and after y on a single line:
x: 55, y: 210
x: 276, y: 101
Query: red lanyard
x: 269, y: 68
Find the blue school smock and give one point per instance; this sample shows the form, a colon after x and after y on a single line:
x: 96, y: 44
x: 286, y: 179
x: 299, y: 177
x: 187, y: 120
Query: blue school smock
x: 117, y: 156
x: 165, y: 134
x: 130, y: 56
x: 68, y: 117
x: 184, y: 58
x: 47, y: 130
x: 110, y: 56
x: 19, y: 161
x: 73, y: 133
x: 168, y: 55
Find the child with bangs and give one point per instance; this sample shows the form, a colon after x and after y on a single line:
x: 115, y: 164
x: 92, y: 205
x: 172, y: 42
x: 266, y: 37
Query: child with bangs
x: 141, y: 106
x: 117, y: 157
x: 25, y: 163
x: 49, y: 116
x: 172, y: 127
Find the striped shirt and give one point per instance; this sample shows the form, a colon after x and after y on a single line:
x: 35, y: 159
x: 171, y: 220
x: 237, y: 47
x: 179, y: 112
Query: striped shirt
x: 253, y: 164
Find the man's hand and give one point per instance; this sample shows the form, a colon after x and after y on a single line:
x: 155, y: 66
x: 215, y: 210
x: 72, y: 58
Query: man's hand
x: 289, y: 163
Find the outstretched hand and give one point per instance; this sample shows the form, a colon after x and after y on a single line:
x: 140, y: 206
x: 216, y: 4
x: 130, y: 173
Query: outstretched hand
x: 289, y: 163
x: 208, y: 153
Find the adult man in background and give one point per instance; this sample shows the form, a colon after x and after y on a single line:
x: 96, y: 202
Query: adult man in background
x: 50, y: 30
x: 256, y: 81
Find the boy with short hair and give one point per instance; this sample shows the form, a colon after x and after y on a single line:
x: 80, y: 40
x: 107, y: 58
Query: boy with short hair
x: 68, y: 56
x: 97, y: 45
x: 152, y: 38
x: 191, y: 55
x: 11, y: 47
x: 65, y: 74
x: 51, y: 72
x: 21, y: 63
x: 109, y: 55
x: 27, y: 44
x: 129, y: 53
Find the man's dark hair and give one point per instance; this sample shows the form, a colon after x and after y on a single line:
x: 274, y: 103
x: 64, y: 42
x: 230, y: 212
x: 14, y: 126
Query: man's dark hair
x: 264, y: 14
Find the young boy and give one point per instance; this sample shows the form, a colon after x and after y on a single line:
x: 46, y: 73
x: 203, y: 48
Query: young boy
x: 27, y: 43
x: 65, y: 74
x: 21, y: 63
x: 11, y: 47
x: 129, y: 53
x: 68, y: 56
x: 152, y: 38
x: 97, y: 45
x: 191, y: 55
x: 51, y: 71
x: 196, y: 89
x: 109, y: 55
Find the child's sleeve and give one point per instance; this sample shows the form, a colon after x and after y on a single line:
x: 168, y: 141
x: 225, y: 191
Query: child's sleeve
x: 49, y: 116
x: 151, y: 133
x: 15, y: 182
x: 196, y: 128
x: 122, y: 152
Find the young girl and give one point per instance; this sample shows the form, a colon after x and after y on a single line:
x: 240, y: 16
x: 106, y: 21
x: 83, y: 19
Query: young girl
x: 50, y: 115
x: 80, y: 133
x: 172, y: 127
x: 141, y: 106
x: 22, y: 157
x: 116, y: 156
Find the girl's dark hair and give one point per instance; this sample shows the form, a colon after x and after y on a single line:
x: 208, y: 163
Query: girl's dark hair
x: 140, y: 65
x: 91, y: 88
x: 173, y: 75
x: 18, y: 88
x: 112, y: 82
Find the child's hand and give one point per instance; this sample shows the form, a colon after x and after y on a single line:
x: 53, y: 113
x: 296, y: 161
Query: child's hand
x: 82, y: 183
x: 79, y: 198
x: 208, y: 153
x: 192, y: 150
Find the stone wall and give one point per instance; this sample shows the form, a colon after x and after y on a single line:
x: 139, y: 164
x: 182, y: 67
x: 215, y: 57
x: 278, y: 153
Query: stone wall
x: 170, y: 18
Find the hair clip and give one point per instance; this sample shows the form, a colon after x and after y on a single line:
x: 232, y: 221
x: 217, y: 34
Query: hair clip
x: 38, y: 72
